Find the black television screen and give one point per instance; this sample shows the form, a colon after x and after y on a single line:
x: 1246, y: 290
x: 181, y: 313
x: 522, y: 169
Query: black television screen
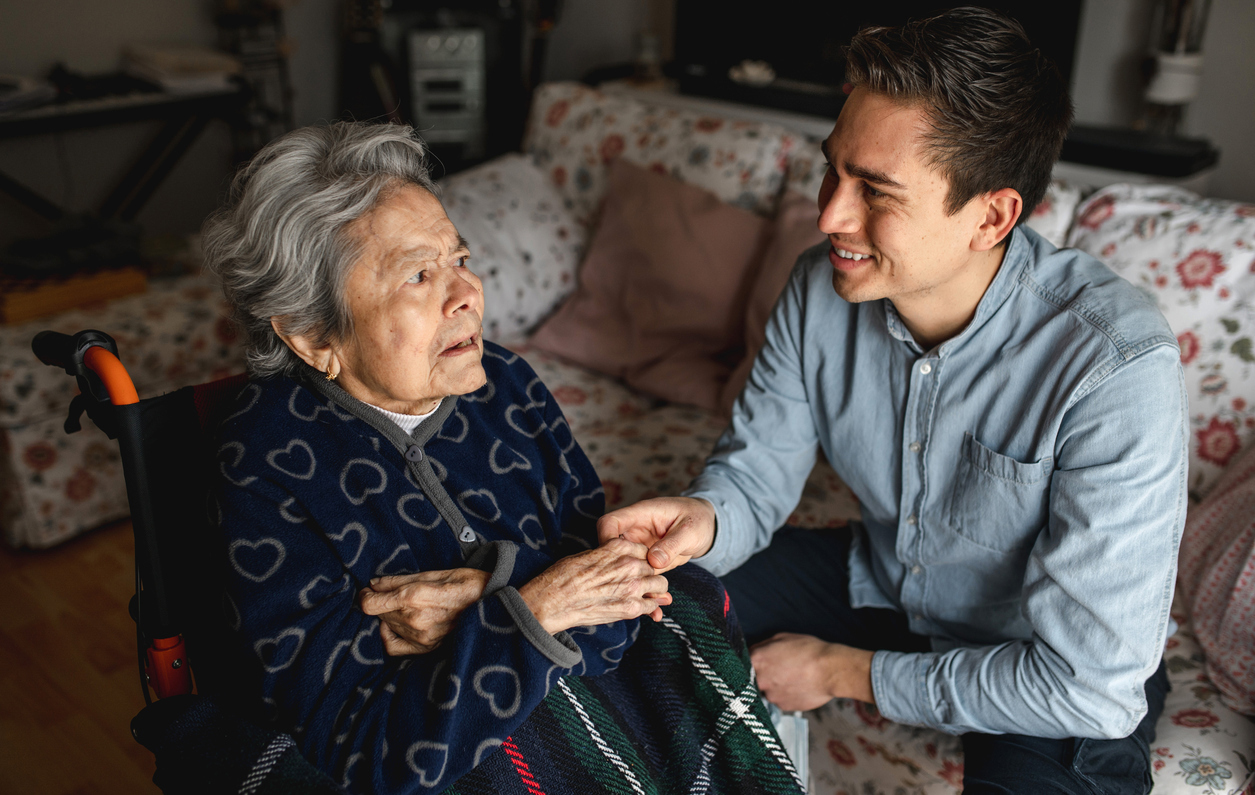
x: 803, y: 41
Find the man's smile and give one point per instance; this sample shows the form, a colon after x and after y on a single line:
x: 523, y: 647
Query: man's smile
x: 846, y: 260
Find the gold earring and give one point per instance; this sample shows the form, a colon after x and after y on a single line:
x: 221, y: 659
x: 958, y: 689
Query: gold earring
x: 330, y: 375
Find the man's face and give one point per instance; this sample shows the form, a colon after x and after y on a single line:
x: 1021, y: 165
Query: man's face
x: 882, y: 206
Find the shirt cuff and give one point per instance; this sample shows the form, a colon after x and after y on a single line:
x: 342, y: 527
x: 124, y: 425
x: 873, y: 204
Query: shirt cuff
x: 560, y: 648
x: 900, y: 687
x: 721, y: 558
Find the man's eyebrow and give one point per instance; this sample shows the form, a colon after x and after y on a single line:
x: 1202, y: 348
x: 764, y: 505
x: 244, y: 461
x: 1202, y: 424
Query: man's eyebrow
x: 862, y: 172
x: 872, y: 175
x: 462, y: 244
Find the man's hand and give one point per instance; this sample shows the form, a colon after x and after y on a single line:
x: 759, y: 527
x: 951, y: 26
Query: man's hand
x: 674, y: 529
x: 610, y: 583
x: 800, y: 672
x: 417, y: 611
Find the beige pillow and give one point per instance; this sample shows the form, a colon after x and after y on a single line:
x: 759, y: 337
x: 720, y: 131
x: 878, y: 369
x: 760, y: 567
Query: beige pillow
x: 663, y: 291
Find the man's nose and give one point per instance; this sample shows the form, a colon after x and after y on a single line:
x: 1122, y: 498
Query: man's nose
x: 842, y: 213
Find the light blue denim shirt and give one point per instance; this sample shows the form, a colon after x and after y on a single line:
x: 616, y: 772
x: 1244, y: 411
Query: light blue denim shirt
x: 1023, y: 486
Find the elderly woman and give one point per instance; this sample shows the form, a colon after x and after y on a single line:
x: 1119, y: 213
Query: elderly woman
x: 411, y: 528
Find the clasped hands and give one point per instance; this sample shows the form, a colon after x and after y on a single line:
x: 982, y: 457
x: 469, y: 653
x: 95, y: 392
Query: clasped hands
x: 621, y: 579
x: 795, y: 672
x: 610, y: 583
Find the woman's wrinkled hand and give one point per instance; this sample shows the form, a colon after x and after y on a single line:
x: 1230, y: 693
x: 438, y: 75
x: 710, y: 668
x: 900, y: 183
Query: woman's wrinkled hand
x: 611, y: 583
x: 417, y: 611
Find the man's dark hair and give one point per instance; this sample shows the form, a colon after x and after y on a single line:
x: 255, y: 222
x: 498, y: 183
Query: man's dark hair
x: 997, y: 107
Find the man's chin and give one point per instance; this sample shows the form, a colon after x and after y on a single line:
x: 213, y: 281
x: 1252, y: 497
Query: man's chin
x: 852, y: 289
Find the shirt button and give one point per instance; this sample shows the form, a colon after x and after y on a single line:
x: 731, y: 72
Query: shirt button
x: 916, y: 569
x: 925, y: 368
x: 911, y: 519
x: 468, y: 535
x: 915, y: 447
x: 414, y: 453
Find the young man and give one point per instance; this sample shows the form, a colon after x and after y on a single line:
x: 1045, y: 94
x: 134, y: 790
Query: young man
x: 1011, y: 417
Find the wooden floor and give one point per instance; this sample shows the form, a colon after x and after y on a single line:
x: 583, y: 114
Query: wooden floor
x: 68, y: 680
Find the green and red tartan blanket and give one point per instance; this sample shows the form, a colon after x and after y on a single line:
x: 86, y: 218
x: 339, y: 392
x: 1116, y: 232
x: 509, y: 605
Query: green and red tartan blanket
x: 681, y: 714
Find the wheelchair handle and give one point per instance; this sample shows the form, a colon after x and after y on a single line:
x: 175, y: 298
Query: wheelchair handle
x: 92, y: 357
x: 112, y: 374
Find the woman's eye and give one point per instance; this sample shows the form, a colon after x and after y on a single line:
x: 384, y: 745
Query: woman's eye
x: 417, y: 278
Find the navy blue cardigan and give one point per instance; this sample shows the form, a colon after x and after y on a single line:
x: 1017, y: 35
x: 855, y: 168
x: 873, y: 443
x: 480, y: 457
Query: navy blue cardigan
x: 320, y: 493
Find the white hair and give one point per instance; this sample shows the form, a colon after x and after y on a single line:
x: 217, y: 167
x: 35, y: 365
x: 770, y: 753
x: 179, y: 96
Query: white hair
x: 280, y: 244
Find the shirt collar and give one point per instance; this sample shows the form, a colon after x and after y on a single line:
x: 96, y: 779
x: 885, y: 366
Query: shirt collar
x: 1014, y: 260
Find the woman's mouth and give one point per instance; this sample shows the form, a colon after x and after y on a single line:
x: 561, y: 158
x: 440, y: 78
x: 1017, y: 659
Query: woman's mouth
x: 462, y: 346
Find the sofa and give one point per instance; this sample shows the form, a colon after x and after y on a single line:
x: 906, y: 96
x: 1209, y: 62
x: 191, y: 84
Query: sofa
x: 533, y: 217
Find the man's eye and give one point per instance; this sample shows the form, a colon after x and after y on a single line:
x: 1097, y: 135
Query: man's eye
x: 872, y: 192
x: 461, y: 262
x: 417, y: 278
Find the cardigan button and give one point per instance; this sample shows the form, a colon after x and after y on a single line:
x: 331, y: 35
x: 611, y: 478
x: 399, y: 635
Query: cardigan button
x: 468, y: 535
x: 414, y: 453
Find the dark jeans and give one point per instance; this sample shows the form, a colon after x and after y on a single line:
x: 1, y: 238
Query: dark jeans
x: 801, y: 584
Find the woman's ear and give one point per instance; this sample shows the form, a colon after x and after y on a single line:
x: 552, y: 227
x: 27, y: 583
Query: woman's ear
x: 1002, y: 210
x: 320, y: 357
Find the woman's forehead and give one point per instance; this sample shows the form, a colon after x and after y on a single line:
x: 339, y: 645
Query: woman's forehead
x: 410, y: 224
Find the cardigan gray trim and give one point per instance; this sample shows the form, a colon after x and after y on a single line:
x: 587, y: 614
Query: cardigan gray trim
x: 559, y: 648
x: 496, y: 558
x: 421, y: 469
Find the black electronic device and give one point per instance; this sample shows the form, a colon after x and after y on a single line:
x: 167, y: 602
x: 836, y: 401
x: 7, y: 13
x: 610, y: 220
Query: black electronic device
x: 1139, y: 152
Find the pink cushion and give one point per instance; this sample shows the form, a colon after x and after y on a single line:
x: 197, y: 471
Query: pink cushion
x: 662, y: 292
x: 795, y: 230
x: 1217, y: 579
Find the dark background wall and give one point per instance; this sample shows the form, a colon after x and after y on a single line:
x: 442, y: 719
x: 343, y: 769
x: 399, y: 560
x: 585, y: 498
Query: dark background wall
x: 78, y: 168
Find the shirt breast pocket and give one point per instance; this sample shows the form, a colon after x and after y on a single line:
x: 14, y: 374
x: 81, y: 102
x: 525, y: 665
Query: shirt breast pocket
x: 999, y: 503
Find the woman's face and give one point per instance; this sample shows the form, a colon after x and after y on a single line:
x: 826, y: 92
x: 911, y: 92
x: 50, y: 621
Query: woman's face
x: 416, y: 309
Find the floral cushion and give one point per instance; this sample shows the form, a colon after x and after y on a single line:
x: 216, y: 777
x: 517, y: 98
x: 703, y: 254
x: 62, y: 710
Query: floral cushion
x: 53, y: 485
x: 175, y: 333
x: 525, y: 244
x: 1052, y: 217
x: 575, y: 132
x: 1201, y: 746
x: 1196, y: 258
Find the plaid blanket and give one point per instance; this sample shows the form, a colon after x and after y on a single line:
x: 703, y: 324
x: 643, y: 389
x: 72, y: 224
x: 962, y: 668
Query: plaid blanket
x: 681, y: 714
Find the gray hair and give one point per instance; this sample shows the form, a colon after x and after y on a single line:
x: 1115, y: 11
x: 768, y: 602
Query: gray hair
x: 280, y: 243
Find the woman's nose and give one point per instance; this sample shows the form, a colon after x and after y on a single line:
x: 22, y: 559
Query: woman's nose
x: 462, y: 293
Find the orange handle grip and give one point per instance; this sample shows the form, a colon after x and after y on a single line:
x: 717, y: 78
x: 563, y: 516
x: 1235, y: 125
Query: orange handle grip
x: 114, y: 376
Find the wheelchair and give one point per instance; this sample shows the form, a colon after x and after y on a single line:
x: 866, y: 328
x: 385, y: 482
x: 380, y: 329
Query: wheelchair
x: 205, y: 742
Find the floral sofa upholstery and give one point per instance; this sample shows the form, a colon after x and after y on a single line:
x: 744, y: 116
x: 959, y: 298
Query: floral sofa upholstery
x: 529, y: 218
